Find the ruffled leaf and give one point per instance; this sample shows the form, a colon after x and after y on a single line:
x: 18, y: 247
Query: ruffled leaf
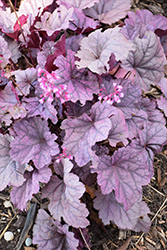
x: 50, y: 234
x: 135, y: 218
x: 81, y: 84
x: 24, y: 79
x: 98, y: 46
x: 80, y: 4
x: 11, y: 172
x: 147, y: 61
x: 59, y: 19
x: 125, y: 173
x: 83, y: 132
x: 80, y: 22
x: 64, y: 197
x: 109, y: 11
x: 33, y: 142
x: 140, y: 22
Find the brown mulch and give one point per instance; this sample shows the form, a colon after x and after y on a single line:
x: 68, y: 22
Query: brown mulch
x: 110, y: 237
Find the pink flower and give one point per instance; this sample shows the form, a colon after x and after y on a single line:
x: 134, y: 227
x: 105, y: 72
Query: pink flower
x: 112, y: 97
x: 48, y: 83
x: 63, y: 155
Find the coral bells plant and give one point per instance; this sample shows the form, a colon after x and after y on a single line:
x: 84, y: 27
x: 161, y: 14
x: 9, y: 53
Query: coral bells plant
x: 77, y: 113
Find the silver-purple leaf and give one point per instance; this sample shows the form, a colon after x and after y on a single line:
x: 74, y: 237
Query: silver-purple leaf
x: 50, y: 234
x: 81, y: 84
x: 111, y: 210
x: 109, y: 11
x: 11, y: 172
x: 147, y: 61
x: 141, y: 21
x: 33, y: 142
x: 22, y: 194
x: 24, y: 79
x: 125, y: 173
x: 64, y: 198
x: 83, y: 132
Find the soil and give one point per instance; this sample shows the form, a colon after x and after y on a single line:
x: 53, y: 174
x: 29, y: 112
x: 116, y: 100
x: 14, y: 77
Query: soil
x: 108, y: 237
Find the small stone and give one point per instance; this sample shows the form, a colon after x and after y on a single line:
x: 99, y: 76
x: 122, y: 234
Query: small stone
x: 28, y: 242
x: 18, y: 230
x: 8, y: 236
x: 7, y: 204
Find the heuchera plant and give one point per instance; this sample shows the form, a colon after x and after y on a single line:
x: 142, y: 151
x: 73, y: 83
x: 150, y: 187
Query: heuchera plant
x: 77, y: 110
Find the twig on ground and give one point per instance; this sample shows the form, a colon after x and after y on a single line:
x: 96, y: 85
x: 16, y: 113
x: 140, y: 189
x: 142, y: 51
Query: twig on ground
x: 84, y: 238
x: 161, y: 207
x: 1, y: 235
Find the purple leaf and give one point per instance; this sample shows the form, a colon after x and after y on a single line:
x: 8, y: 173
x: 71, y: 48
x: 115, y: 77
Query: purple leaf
x: 125, y: 173
x: 145, y: 111
x: 141, y: 21
x: 33, y: 7
x: 83, y: 132
x: 162, y: 104
x: 84, y: 174
x: 48, y: 48
x: 42, y: 175
x: 20, y: 195
x: 45, y: 110
x: 163, y: 40
x: 33, y: 142
x: 76, y: 109
x: 11, y: 172
x: 7, y: 20
x: 13, y: 46
x: 50, y: 234
x: 109, y: 11
x: 111, y: 210
x: 80, y: 22
x: 59, y: 19
x: 132, y: 92
x: 24, y: 79
x: 96, y: 49
x: 81, y: 84
x: 7, y: 97
x: 163, y: 85
x: 147, y: 61
x: 118, y: 131
x: 80, y: 4
x: 153, y: 136
x: 73, y: 42
x: 64, y: 197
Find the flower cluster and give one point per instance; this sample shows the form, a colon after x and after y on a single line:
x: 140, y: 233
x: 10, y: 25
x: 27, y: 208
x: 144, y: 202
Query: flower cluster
x: 112, y: 97
x: 47, y: 83
x: 63, y: 155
